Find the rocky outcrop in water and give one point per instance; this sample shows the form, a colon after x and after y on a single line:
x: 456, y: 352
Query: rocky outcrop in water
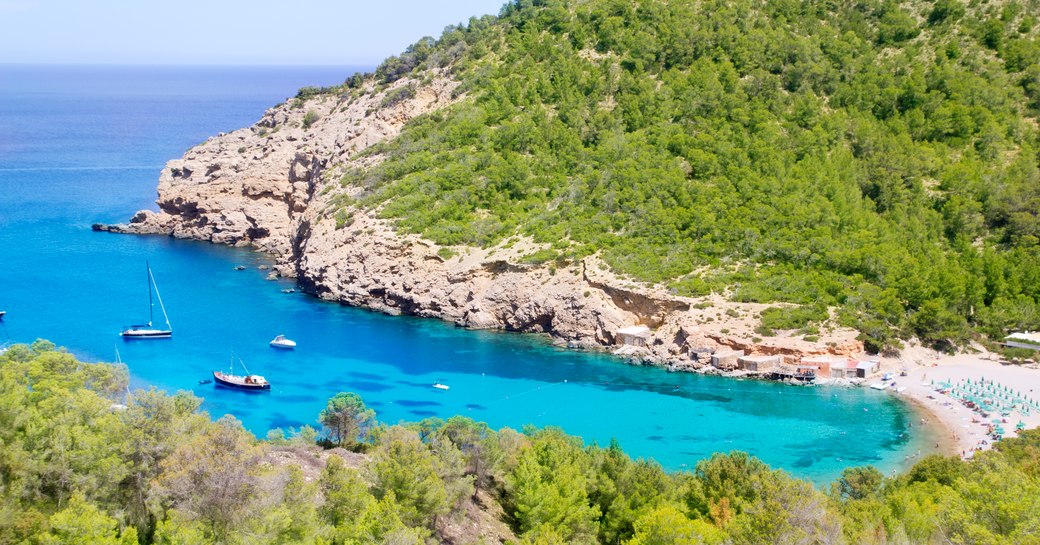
x: 276, y: 186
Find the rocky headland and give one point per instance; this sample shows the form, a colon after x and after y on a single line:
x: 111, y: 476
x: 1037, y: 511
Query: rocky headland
x: 277, y: 187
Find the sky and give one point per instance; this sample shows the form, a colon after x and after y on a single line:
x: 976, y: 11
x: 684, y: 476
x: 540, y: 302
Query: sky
x: 223, y: 32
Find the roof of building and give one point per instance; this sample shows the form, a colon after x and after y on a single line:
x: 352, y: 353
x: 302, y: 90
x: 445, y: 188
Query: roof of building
x: 760, y: 358
x: 640, y: 330
x: 1030, y: 336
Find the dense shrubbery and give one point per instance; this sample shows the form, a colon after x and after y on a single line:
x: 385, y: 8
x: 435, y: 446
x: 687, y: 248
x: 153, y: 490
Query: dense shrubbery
x: 78, y: 467
x: 873, y: 155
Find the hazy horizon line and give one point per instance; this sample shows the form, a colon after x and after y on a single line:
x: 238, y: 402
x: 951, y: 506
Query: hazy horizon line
x: 371, y: 66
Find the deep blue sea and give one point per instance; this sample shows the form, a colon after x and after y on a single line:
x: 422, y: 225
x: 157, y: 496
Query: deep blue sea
x: 80, y: 145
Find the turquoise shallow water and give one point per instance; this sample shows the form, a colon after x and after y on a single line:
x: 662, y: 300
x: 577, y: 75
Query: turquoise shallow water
x: 81, y: 145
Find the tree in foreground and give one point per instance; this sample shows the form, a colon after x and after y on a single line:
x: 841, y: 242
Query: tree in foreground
x: 346, y: 419
x: 81, y: 523
x: 212, y: 479
x: 404, y: 469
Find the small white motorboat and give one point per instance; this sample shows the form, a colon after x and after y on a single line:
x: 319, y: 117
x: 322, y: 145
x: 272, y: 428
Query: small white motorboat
x: 440, y: 386
x: 282, y: 342
x: 879, y: 386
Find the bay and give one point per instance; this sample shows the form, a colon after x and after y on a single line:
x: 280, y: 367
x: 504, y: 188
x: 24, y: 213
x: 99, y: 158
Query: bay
x: 85, y: 144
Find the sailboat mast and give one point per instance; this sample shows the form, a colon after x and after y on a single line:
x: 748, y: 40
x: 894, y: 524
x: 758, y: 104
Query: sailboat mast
x: 159, y: 297
x: 148, y: 279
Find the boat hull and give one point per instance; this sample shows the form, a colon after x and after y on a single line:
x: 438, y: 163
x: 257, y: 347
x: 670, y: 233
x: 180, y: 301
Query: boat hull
x: 146, y: 334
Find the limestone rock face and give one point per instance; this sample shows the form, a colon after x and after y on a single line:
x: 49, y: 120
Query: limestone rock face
x: 276, y: 186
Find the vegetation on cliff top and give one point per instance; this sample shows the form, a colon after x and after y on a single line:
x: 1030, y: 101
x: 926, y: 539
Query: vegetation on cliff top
x: 877, y: 156
x: 77, y: 466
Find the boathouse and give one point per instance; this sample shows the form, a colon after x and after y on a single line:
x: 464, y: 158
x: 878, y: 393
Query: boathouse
x: 759, y: 364
x: 800, y: 373
x: 867, y: 368
x: 637, y: 335
x: 726, y: 359
x: 843, y: 368
x: 820, y: 365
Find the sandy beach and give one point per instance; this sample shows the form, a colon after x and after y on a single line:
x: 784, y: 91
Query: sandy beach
x: 966, y: 429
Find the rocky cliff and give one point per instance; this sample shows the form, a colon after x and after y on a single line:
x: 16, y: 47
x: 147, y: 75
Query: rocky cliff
x: 276, y: 186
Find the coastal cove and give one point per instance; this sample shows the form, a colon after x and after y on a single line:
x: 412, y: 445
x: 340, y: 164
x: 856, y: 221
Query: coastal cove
x: 82, y: 145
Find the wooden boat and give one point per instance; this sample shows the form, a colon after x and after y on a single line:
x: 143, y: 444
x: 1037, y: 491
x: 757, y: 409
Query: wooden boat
x: 241, y: 382
x: 281, y: 342
x: 148, y: 331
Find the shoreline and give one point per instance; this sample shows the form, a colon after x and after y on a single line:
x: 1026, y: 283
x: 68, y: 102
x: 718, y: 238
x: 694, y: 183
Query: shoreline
x: 949, y: 442
x: 958, y: 435
x: 964, y: 430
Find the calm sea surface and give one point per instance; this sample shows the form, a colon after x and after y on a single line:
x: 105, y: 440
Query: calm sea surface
x: 80, y: 145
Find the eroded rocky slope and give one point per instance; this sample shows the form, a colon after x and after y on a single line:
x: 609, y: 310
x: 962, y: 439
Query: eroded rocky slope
x: 275, y: 186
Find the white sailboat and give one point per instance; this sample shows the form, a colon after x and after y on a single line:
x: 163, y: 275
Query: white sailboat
x: 148, y: 331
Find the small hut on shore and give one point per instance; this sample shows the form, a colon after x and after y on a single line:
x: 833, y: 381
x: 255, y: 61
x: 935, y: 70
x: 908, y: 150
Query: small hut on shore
x: 726, y: 359
x: 637, y: 335
x: 759, y: 364
x: 819, y: 366
x: 866, y: 368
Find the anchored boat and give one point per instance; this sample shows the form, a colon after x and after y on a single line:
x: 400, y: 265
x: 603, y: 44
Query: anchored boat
x: 281, y: 342
x: 241, y: 382
x: 147, y: 331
